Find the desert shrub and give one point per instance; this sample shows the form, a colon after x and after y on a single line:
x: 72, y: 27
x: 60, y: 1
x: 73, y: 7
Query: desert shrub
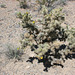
x: 48, y: 41
x: 14, y: 53
x: 23, y: 3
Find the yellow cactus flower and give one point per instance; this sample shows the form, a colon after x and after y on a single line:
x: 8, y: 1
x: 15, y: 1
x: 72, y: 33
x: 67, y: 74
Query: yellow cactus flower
x: 49, y: 14
x: 26, y: 12
x: 33, y: 21
x: 41, y: 57
x: 18, y: 48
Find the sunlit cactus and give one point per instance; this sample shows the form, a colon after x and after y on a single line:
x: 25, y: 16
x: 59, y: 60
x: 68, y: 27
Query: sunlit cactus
x: 49, y: 41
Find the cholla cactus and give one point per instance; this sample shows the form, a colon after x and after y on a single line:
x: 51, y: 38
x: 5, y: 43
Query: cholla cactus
x: 41, y: 50
x: 45, y: 4
x: 44, y: 10
x: 19, y: 15
x: 27, y: 22
x: 41, y: 2
x: 26, y: 40
x: 14, y: 53
x: 51, y: 28
x: 48, y: 42
x: 71, y: 38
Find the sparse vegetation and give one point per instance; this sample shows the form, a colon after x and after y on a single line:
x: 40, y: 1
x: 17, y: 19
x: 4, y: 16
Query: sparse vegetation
x: 14, y: 53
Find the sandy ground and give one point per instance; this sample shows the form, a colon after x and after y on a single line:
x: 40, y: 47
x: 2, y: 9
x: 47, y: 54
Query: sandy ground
x: 10, y: 31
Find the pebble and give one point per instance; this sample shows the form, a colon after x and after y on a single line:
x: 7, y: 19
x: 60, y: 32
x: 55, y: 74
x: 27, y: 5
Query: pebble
x: 27, y: 67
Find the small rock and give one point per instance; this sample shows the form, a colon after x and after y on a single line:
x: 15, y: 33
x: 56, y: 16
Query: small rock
x: 27, y: 67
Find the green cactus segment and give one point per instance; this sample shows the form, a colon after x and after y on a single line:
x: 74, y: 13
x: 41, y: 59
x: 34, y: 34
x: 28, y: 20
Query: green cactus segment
x: 44, y: 10
x: 19, y: 15
x: 42, y: 49
x: 28, y: 23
